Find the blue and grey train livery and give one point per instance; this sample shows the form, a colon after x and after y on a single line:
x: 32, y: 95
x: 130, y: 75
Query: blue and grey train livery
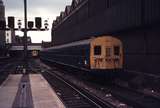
x: 93, y: 55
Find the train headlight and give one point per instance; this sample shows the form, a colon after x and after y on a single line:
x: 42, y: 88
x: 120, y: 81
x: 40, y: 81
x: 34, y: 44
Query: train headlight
x: 85, y: 62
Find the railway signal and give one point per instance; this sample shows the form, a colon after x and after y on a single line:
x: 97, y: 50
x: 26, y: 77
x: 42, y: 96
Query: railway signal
x: 19, y: 24
x: 2, y: 24
x: 38, y: 22
x: 11, y: 22
x: 30, y: 24
x: 46, y: 24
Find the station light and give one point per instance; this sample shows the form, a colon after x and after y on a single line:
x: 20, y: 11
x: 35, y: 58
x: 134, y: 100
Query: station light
x: 11, y: 22
x: 38, y: 22
x: 30, y: 24
x: 2, y: 24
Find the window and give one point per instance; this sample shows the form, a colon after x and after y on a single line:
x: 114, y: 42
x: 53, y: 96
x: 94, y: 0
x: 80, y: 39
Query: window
x: 116, y: 50
x: 7, y: 41
x: 108, y: 51
x: 97, y: 50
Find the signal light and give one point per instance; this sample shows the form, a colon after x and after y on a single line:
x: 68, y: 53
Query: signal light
x: 2, y: 24
x: 46, y: 24
x: 30, y: 24
x: 38, y: 22
x: 11, y: 22
x: 19, y: 24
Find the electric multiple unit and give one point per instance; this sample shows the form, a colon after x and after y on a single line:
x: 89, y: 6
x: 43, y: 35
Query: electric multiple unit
x: 102, y: 54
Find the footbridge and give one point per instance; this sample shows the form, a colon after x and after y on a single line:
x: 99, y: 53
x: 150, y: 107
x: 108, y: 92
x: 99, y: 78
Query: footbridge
x: 30, y: 47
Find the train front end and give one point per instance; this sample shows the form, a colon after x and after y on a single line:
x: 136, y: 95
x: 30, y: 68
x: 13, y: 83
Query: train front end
x: 106, y: 54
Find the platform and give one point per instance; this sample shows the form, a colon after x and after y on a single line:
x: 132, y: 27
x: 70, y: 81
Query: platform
x: 42, y: 94
x: 8, y: 91
x: 29, y: 91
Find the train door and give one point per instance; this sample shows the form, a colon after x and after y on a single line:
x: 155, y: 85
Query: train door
x: 108, y: 57
x: 116, y: 56
x: 113, y: 56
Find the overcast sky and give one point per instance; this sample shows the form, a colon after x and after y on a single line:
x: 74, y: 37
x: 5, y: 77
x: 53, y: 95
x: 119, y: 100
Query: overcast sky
x: 47, y: 9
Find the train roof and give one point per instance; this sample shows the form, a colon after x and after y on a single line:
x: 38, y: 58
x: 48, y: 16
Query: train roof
x: 76, y: 43
x: 85, y: 42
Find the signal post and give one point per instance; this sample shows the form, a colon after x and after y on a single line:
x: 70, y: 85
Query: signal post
x: 27, y: 27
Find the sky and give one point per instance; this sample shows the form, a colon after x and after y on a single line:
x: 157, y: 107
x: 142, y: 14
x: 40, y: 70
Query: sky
x: 47, y: 9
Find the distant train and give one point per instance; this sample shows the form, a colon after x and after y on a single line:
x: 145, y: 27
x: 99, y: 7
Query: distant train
x: 97, y: 55
x: 35, y: 53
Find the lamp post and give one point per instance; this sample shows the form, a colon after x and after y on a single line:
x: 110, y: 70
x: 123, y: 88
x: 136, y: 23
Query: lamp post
x: 25, y: 36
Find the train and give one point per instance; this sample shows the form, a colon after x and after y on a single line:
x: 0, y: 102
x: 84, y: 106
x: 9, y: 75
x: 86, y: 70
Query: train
x: 34, y: 53
x: 101, y: 55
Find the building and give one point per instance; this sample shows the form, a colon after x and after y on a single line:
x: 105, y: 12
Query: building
x: 20, y: 40
x: 2, y: 18
x: 135, y: 22
x: 2, y: 32
x: 13, y: 38
x: 8, y: 37
x: 46, y: 44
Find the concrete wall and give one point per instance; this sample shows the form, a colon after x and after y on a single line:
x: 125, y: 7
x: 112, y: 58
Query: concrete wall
x: 141, y: 49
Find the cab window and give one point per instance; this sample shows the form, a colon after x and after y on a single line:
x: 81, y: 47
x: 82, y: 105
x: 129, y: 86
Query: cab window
x: 97, y: 50
x: 108, y: 52
x: 116, y: 50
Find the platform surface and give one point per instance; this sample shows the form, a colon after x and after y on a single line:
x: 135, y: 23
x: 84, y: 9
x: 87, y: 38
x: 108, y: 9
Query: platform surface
x: 42, y: 94
x: 8, y: 91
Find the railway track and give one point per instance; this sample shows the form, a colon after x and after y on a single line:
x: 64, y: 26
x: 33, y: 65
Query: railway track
x: 144, y: 84
x: 75, y: 96
x: 72, y: 96
x: 4, y: 72
x: 3, y: 62
x: 5, y: 68
x: 10, y: 66
x: 133, y: 97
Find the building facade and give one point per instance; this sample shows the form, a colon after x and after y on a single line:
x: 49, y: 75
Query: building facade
x: 8, y: 37
x: 2, y: 18
x: 20, y: 40
x: 134, y: 22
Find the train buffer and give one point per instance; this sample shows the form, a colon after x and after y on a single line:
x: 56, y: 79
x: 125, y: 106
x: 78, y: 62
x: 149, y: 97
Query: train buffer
x: 28, y: 91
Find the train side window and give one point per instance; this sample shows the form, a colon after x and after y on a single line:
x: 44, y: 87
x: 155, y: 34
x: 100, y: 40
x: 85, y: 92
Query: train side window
x: 116, y: 50
x: 97, y: 50
x: 108, y: 52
